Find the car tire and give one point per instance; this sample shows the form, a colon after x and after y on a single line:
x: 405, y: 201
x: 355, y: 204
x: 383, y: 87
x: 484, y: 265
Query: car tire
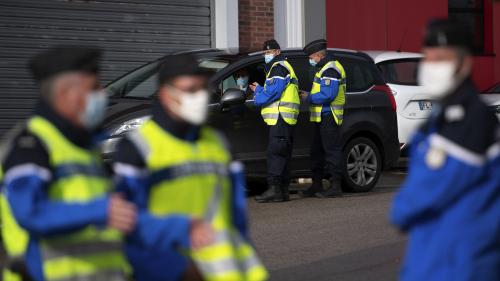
x: 362, y: 165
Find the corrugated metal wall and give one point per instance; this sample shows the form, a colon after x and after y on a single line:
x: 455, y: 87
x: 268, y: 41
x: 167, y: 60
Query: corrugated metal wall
x: 130, y: 31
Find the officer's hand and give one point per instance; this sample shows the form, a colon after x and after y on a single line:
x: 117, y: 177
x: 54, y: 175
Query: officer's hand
x: 201, y: 234
x: 122, y: 215
x: 253, y: 86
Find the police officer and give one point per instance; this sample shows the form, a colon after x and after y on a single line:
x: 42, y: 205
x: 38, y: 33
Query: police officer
x: 55, y: 181
x: 450, y: 202
x: 327, y: 100
x: 280, y: 103
x: 191, y: 201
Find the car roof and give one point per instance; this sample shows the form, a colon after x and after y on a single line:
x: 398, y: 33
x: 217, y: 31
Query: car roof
x: 382, y: 56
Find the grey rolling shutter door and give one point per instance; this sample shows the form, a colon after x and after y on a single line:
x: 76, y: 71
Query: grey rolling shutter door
x: 131, y: 32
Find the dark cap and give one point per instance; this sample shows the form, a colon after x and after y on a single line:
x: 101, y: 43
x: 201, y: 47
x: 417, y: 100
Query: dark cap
x: 271, y: 45
x: 447, y: 33
x: 65, y: 59
x: 179, y: 65
x: 315, y: 46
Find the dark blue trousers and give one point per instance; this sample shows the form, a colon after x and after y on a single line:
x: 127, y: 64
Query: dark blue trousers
x: 326, y: 150
x: 279, y: 153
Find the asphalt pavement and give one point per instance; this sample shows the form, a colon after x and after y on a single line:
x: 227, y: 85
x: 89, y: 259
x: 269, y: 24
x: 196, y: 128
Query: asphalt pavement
x: 346, y: 238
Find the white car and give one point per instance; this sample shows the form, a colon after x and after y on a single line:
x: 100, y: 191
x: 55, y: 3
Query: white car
x: 399, y: 69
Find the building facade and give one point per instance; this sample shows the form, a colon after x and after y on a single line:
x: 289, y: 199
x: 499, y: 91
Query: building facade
x: 399, y: 25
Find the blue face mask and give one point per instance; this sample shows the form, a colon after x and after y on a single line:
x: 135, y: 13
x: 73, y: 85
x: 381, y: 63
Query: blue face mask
x: 268, y: 58
x: 312, y: 62
x: 95, y: 109
x: 242, y: 81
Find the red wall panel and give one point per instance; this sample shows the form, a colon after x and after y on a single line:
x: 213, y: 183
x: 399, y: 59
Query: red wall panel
x: 496, y: 41
x: 355, y: 24
x: 380, y: 24
x: 400, y: 24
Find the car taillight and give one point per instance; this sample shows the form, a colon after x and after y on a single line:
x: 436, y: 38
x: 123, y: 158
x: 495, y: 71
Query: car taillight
x: 384, y: 88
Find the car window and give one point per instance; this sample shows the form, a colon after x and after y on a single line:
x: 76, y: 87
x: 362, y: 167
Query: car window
x: 402, y: 72
x: 494, y: 89
x: 359, y: 73
x: 304, y: 71
x: 143, y: 82
x: 255, y: 73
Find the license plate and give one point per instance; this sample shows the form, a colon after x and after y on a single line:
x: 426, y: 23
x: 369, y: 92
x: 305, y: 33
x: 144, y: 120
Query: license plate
x: 425, y: 105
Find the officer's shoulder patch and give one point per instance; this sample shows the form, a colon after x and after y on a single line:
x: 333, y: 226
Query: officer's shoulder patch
x: 435, y: 158
x: 327, y: 82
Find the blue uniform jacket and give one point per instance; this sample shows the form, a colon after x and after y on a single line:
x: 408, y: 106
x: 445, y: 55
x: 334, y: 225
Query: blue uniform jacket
x: 27, y: 175
x: 275, y: 84
x: 153, y: 249
x: 450, y: 201
x: 329, y: 86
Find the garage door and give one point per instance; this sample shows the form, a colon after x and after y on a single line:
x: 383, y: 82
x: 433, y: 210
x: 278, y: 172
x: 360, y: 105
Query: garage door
x: 131, y: 32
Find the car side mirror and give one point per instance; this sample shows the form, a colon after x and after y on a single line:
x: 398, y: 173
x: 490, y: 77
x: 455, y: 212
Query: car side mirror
x: 232, y: 97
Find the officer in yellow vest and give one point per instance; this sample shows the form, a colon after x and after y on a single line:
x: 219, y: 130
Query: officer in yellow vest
x: 327, y: 100
x: 191, y: 201
x: 55, y: 182
x: 280, y: 103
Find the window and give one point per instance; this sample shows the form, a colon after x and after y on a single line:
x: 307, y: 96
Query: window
x: 401, y: 72
x: 359, y: 75
x: 471, y: 13
x: 255, y: 73
x: 304, y: 71
x: 143, y: 82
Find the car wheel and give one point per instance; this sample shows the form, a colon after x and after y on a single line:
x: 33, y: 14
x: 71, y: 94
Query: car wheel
x: 362, y: 165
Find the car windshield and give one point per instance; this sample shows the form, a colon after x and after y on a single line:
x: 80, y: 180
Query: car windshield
x: 494, y: 89
x: 401, y: 72
x: 142, y: 83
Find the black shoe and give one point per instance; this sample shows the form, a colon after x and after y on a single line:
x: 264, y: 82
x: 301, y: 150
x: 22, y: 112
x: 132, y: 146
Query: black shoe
x: 285, y: 192
x: 272, y: 194
x: 334, y: 191
x: 312, y: 190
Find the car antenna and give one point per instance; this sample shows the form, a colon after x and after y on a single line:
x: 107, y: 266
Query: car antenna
x: 402, y: 40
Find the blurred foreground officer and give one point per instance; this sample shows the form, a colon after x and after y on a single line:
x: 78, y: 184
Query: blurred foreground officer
x: 327, y: 100
x: 280, y: 102
x: 55, y: 181
x: 450, y: 202
x: 191, y: 201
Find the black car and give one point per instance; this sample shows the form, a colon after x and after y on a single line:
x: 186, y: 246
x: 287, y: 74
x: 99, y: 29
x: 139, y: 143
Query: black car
x: 369, y: 132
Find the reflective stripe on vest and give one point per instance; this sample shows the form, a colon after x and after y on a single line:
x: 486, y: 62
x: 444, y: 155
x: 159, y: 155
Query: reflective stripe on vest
x: 337, y: 105
x: 192, y: 179
x: 91, y: 253
x: 288, y: 106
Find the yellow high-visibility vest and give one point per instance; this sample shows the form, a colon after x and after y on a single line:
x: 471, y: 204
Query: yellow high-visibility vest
x: 288, y: 106
x: 337, y: 105
x: 15, y: 238
x: 192, y: 179
x: 92, y: 253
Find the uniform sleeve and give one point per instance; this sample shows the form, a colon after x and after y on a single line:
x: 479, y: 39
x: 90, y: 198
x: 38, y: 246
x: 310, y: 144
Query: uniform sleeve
x: 132, y: 179
x: 239, y: 207
x: 440, y: 172
x: 329, y: 87
x: 27, y: 177
x: 274, y: 86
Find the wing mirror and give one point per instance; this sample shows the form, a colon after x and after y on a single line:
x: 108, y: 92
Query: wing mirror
x: 232, y: 97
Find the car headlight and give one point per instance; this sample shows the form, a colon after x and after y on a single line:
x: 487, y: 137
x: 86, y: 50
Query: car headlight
x: 129, y: 125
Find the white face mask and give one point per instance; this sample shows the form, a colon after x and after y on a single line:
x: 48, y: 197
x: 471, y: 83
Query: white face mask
x: 193, y: 107
x: 95, y: 109
x: 438, y: 78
